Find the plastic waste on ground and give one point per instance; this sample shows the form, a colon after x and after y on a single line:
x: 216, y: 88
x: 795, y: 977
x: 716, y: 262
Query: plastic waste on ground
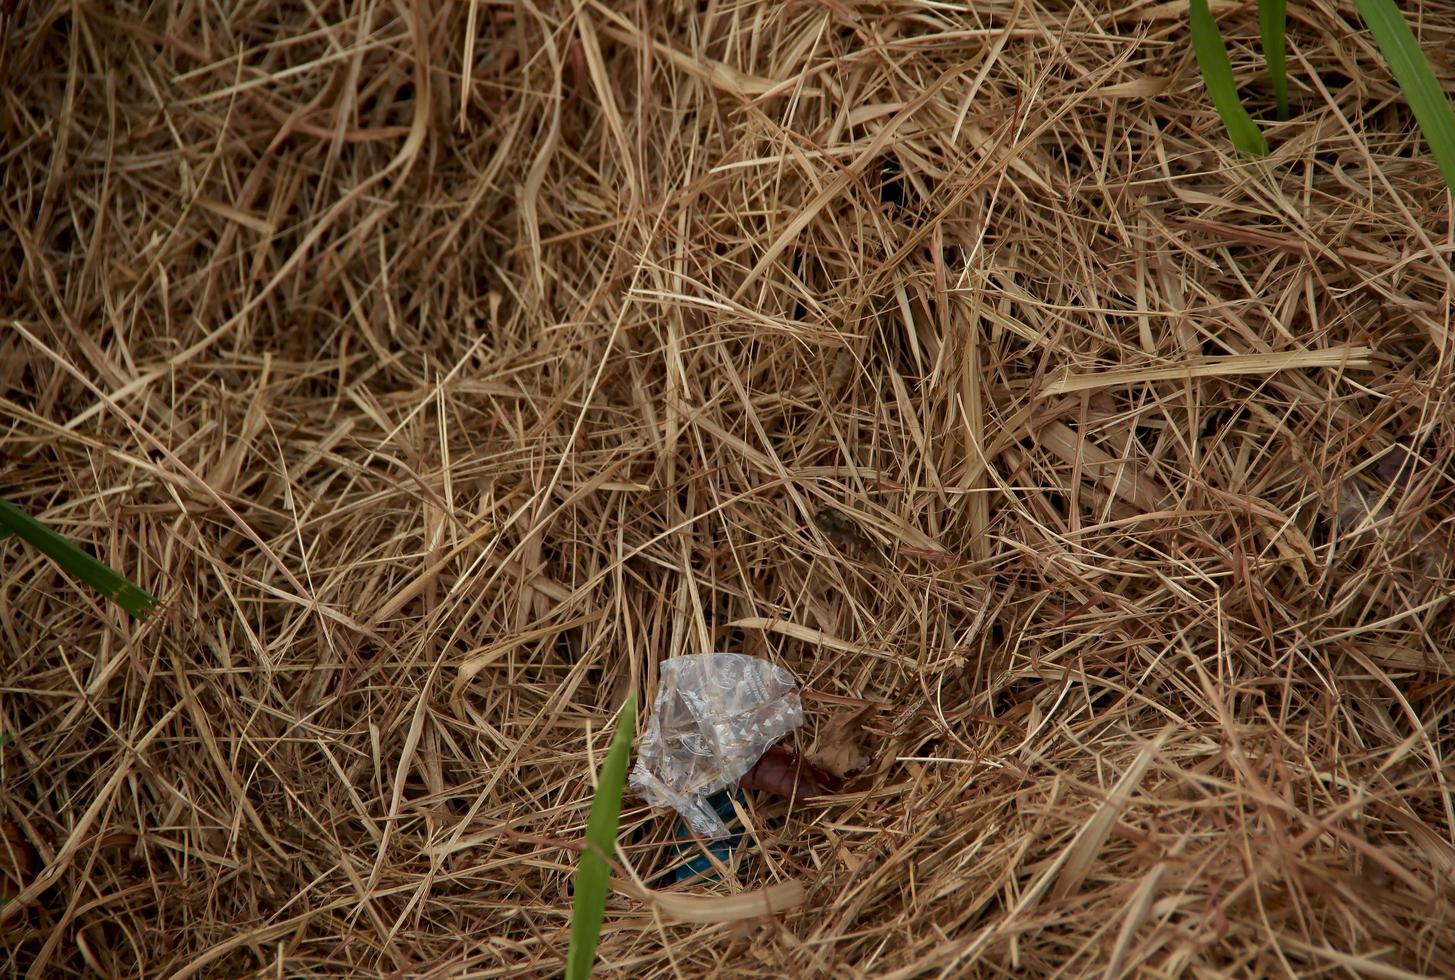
x: 714, y: 716
x: 696, y: 864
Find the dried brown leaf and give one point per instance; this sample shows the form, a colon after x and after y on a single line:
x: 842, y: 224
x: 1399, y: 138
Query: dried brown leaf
x: 782, y: 772
x: 838, y: 752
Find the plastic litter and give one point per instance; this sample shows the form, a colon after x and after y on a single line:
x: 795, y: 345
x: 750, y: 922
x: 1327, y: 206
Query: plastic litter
x: 715, y: 715
x: 696, y: 865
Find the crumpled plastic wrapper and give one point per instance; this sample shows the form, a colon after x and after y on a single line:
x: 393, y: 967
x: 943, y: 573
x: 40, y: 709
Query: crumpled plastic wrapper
x: 714, y: 717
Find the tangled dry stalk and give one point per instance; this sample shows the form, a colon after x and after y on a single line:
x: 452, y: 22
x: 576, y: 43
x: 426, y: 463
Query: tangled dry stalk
x: 444, y: 366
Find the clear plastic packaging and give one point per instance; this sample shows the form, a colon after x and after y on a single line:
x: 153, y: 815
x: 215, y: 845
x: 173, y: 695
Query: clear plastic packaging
x: 714, y: 717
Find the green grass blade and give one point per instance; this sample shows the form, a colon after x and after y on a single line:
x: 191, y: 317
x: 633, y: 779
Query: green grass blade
x: 1217, y: 75
x: 1272, y: 25
x: 73, y: 560
x: 1421, y: 89
x: 594, y: 871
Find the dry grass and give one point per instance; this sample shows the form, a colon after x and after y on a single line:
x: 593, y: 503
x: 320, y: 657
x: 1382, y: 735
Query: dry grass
x: 446, y: 366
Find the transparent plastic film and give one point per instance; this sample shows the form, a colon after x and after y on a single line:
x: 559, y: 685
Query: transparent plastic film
x: 714, y: 717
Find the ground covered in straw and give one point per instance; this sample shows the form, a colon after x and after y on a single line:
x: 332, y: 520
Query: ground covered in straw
x: 443, y: 367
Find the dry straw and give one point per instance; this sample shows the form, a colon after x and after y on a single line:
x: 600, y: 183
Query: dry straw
x: 441, y: 367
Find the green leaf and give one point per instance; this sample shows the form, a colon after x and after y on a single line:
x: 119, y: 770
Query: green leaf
x: 1272, y: 22
x: 594, y: 871
x: 5, y: 737
x: 1421, y: 89
x: 1217, y: 75
x: 73, y: 560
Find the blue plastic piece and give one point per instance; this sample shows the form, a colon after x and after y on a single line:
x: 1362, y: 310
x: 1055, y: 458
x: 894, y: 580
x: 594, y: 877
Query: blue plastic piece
x: 699, y: 866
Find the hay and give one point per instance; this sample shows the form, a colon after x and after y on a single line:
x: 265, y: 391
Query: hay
x: 446, y: 366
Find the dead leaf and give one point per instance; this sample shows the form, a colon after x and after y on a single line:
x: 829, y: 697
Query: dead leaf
x: 782, y: 772
x: 854, y: 862
x: 838, y: 752
x: 17, y: 860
